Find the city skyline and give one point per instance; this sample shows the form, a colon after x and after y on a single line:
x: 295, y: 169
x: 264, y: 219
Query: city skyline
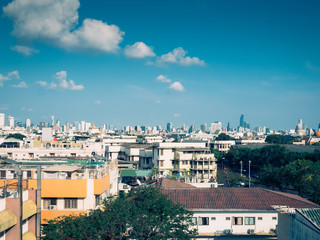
x: 149, y: 63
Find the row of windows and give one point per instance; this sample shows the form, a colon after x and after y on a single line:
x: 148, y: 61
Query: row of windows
x: 235, y: 220
x: 69, y: 203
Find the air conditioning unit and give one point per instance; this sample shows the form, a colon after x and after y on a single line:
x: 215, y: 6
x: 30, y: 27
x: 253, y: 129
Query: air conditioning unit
x: 52, y: 207
x: 250, y: 231
x: 227, y: 231
x: 272, y: 231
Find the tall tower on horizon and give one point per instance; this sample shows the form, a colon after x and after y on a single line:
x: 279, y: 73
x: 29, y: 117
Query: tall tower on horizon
x: 2, y: 119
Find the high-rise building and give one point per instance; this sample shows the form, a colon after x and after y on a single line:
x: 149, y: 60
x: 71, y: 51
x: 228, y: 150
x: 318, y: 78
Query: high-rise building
x: 52, y: 120
x: 203, y: 127
x: 242, y: 120
x: 42, y: 125
x: 191, y: 129
x: 2, y: 119
x: 214, y: 127
x: 28, y: 123
x: 228, y: 127
x: 11, y: 121
x: 243, y: 123
x: 169, y: 127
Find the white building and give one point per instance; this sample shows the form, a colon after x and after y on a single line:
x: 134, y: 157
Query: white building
x: 236, y: 211
x: 185, y: 158
x: 28, y: 123
x: 11, y: 121
x: 2, y: 119
x: 215, y: 127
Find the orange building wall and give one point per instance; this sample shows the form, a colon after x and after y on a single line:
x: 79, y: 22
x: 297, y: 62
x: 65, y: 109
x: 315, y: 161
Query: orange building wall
x: 61, y: 188
x: 102, y: 184
x: 50, y: 215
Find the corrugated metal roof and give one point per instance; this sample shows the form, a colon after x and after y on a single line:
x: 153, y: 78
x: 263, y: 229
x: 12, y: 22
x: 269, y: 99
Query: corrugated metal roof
x: 135, y: 173
x: 235, y: 198
x: 312, y: 214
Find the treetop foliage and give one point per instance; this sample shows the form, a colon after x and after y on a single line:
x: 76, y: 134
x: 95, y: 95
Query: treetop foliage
x: 143, y: 214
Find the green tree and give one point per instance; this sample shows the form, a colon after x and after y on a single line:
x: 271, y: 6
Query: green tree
x: 16, y: 136
x: 143, y: 214
x: 224, y: 137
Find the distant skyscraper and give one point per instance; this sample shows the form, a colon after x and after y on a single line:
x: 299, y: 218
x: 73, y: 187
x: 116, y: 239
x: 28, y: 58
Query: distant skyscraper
x: 319, y: 126
x: 228, y: 127
x: 214, y: 127
x: 28, y: 123
x: 243, y: 123
x: 42, y: 125
x: 11, y: 121
x: 2, y: 119
x: 203, y: 127
x: 169, y: 127
x: 52, y: 120
x: 191, y: 129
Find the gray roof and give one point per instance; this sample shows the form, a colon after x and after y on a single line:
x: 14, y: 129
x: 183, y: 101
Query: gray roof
x: 312, y: 214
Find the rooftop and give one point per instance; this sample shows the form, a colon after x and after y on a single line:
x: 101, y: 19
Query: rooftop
x: 235, y: 198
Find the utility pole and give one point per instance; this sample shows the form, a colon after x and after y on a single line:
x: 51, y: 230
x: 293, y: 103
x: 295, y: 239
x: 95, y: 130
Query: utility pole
x: 249, y: 174
x: 20, y: 196
x: 241, y: 169
x: 38, y: 228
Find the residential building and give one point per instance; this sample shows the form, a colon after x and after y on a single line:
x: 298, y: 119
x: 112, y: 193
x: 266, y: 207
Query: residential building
x: 10, y: 214
x: 67, y: 188
x: 191, y: 159
x: 236, y: 211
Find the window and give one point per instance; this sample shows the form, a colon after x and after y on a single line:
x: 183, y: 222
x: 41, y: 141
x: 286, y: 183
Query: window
x: 50, y: 203
x: 249, y: 221
x: 98, y: 197
x: 161, y: 152
x: 274, y: 218
x: 161, y: 163
x: 213, y: 218
x: 237, y: 220
x: 70, y: 203
x: 259, y: 218
x: 227, y: 218
x: 3, y: 174
x: 203, y: 221
x: 29, y: 174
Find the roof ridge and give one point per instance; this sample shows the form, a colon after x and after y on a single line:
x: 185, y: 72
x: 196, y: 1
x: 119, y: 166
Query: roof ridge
x: 296, y: 197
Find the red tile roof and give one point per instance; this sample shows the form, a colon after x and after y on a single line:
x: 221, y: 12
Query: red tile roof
x: 167, y: 183
x: 235, y: 198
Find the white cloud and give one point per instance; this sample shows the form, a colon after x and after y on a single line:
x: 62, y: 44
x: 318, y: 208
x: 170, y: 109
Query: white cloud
x: 158, y: 102
x: 42, y: 83
x: 176, y: 115
x: 138, y: 50
x: 177, y: 86
x: 97, y: 102
x: 10, y: 76
x: 178, y: 56
x: 20, y: 85
x: 162, y: 78
x: 56, y: 22
x: 61, y: 83
x: 24, y: 50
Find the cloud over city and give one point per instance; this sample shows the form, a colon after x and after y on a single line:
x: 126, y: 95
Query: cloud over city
x: 178, y: 56
x: 138, y: 50
x: 61, y: 83
x: 10, y: 76
x: 56, y: 22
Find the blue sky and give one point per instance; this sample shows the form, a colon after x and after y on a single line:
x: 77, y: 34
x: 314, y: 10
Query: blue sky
x: 151, y: 62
